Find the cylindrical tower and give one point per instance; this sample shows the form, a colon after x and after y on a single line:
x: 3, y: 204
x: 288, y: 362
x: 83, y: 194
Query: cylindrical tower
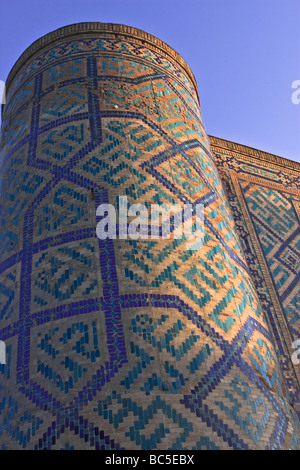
x: 123, y: 342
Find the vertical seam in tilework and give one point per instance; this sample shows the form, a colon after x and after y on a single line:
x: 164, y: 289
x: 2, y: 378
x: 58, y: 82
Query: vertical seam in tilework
x: 23, y: 355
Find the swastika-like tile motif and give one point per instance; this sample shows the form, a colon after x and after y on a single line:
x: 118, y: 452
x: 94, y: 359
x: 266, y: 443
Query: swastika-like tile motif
x: 130, y: 343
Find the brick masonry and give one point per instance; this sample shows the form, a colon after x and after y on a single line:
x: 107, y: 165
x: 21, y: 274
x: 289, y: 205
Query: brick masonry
x: 139, y: 344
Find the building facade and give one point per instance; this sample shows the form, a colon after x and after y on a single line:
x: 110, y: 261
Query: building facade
x: 140, y: 342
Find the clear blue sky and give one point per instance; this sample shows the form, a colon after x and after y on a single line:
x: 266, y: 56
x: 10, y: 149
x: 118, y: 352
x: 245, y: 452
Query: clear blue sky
x: 245, y: 54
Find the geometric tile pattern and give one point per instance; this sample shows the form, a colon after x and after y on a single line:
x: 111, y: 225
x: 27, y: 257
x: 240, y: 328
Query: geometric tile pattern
x: 129, y: 344
x: 264, y: 200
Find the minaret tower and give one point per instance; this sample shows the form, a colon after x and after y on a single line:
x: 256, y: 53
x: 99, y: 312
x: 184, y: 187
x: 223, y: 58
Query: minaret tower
x: 123, y: 342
